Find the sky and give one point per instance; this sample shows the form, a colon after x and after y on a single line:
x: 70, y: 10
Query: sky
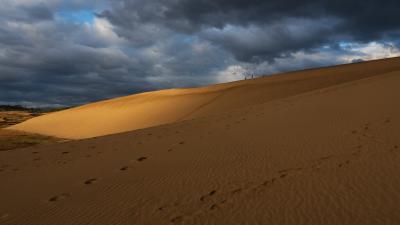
x: 56, y: 53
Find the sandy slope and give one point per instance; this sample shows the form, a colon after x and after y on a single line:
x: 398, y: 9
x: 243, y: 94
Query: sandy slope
x: 167, y: 106
x: 330, y: 156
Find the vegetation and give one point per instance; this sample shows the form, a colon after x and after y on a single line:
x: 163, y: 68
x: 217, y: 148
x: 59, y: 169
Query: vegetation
x: 4, y: 108
x: 14, y: 114
x: 13, y: 139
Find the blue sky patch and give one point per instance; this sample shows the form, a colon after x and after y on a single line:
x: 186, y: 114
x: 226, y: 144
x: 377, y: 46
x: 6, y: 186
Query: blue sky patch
x: 80, y: 16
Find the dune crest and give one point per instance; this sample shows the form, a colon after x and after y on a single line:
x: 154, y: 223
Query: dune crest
x: 328, y: 156
x: 168, y: 106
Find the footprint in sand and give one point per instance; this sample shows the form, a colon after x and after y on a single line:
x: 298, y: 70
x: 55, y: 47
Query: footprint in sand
x: 268, y: 182
x: 59, y: 197
x: 283, y: 175
x: 213, y: 206
x: 236, y: 191
x: 141, y: 159
x: 347, y: 162
x: 394, y: 148
x: 161, y: 208
x: 217, y: 205
x: 202, y: 198
x: 177, y: 219
x: 124, y: 168
x: 297, y: 169
x: 90, y: 181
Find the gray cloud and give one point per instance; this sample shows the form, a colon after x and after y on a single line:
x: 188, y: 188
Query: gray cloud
x: 277, y: 27
x: 139, y: 45
x: 192, y: 15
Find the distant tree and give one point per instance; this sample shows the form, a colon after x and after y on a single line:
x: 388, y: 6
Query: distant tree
x: 13, y: 108
x: 30, y: 110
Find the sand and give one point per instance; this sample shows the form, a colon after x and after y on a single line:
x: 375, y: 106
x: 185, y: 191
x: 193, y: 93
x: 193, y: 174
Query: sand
x: 169, y: 106
x: 326, y: 156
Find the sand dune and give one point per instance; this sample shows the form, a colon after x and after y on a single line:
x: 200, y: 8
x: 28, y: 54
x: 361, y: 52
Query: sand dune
x: 329, y: 156
x: 168, y: 106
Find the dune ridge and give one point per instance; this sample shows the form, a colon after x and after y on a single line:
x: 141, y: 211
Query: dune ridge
x: 328, y: 156
x: 168, y: 106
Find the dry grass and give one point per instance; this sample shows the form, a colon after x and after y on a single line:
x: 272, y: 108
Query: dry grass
x: 9, y: 118
x: 10, y: 139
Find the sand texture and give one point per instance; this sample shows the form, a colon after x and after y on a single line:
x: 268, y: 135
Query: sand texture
x: 312, y: 148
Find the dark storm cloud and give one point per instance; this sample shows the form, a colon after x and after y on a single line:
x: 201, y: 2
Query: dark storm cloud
x: 274, y: 22
x: 38, y: 12
x: 266, y: 42
x: 368, y: 15
x: 29, y: 13
x: 69, y: 75
x: 67, y: 52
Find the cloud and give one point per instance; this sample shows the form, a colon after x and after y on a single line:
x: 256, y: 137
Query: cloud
x: 370, y: 51
x: 59, y: 52
x: 267, y: 42
x: 26, y: 11
x: 232, y: 73
x: 361, y: 19
x: 256, y: 30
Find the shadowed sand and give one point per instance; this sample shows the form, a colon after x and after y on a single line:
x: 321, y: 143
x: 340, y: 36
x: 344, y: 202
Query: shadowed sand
x: 168, y: 106
x: 326, y: 156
